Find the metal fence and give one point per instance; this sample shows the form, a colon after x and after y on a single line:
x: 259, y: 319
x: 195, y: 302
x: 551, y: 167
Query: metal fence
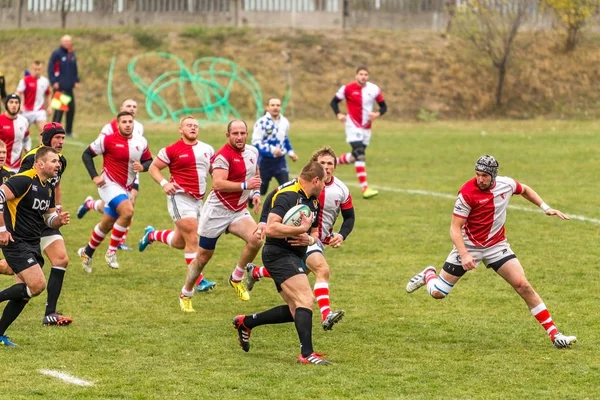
x: 291, y: 5
x: 398, y: 6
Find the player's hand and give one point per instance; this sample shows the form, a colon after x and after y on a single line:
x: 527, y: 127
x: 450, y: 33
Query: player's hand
x: 558, y: 213
x: 299, y: 240
x: 277, y: 152
x: 257, y: 203
x: 468, y: 262
x: 55, y: 86
x: 294, y: 157
x: 99, y: 181
x: 137, y: 167
x: 336, y: 240
x: 171, y: 188
x: 253, y: 183
x: 49, y: 110
x: 341, y: 117
x: 261, y: 231
x: 5, y: 237
x: 305, y: 222
x: 63, y: 217
x: 374, y: 115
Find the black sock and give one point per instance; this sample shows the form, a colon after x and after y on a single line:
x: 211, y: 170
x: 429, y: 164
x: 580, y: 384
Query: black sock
x: 89, y: 251
x: 55, y: 282
x: 304, y: 327
x: 276, y: 315
x: 11, y: 312
x: 15, y: 292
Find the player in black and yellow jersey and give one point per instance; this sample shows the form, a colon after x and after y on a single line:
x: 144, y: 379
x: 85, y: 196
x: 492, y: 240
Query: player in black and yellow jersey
x: 27, y: 202
x: 283, y: 256
x: 52, y: 243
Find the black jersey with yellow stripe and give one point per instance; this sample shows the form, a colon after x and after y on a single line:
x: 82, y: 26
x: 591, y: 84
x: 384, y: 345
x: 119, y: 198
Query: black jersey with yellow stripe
x: 5, y: 173
x: 286, y: 197
x: 29, y: 158
x: 23, y: 215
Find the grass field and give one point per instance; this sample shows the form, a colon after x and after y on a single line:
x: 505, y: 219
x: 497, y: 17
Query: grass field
x: 130, y: 339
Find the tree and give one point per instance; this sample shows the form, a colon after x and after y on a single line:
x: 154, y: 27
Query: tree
x: 573, y: 15
x: 492, y: 26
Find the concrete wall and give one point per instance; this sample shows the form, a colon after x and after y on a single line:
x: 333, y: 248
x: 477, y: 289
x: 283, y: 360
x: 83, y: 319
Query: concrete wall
x: 309, y: 20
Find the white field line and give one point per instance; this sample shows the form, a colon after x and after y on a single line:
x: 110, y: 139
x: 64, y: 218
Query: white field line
x: 452, y: 197
x: 66, y: 377
x: 75, y: 143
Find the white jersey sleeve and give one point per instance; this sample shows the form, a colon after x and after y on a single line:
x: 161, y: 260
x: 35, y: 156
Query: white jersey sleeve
x: 163, y: 156
x: 97, y: 146
x: 461, y: 207
x: 341, y: 93
x: 21, y: 86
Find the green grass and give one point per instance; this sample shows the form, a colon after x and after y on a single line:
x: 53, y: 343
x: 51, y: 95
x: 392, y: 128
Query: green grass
x: 131, y: 340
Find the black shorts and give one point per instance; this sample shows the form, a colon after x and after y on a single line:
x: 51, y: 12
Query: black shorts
x: 21, y: 255
x: 47, y: 231
x: 281, y: 264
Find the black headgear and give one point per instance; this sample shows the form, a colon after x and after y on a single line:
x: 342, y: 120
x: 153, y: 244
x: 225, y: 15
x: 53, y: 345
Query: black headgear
x: 51, y: 129
x: 488, y: 165
x: 11, y: 97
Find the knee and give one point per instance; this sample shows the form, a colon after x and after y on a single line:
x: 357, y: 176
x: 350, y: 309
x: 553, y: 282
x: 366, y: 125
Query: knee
x: 254, y: 243
x: 62, y: 260
x: 439, y: 288
x: 306, y: 300
x: 321, y: 271
x: 37, y: 287
x: 523, y: 287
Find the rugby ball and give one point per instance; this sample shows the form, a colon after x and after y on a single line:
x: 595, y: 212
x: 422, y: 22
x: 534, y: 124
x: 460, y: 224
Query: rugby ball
x: 294, y: 215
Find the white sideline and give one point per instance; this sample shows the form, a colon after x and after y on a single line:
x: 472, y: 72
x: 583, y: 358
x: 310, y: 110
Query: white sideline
x: 452, y: 197
x: 65, y: 377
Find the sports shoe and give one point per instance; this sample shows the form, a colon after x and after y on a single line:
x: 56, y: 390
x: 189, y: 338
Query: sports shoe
x: 332, y: 318
x: 144, y: 242
x: 243, y: 332
x: 111, y: 259
x: 5, y: 342
x: 561, y: 341
x: 314, y: 358
x: 240, y: 289
x: 368, y: 193
x: 124, y: 247
x: 249, y: 280
x: 205, y: 286
x: 56, y: 318
x: 86, y: 261
x: 418, y: 280
x: 82, y: 209
x: 185, y: 303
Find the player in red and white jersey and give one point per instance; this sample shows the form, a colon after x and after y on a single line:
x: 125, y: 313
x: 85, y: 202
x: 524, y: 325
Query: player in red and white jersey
x: 235, y: 177
x: 14, y: 131
x: 90, y: 203
x: 35, y: 91
x: 188, y: 161
x: 360, y: 97
x: 124, y: 155
x: 477, y: 231
x: 335, y: 198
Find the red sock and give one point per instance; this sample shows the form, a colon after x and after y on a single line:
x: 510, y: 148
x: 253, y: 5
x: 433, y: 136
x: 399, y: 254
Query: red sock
x: 125, y: 234
x: 429, y: 275
x: 361, y: 174
x: 260, y: 272
x: 161, y: 236
x: 115, y: 238
x: 96, y: 238
x: 344, y: 158
x: 322, y: 296
x: 542, y: 315
x: 90, y: 204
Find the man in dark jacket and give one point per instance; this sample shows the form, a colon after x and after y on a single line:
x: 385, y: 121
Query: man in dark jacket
x: 62, y: 72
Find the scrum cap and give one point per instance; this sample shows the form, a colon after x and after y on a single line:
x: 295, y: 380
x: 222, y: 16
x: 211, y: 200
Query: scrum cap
x: 51, y: 129
x: 487, y: 164
x: 11, y: 97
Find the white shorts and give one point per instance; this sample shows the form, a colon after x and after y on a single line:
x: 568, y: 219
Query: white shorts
x: 356, y: 134
x: 183, y: 206
x: 110, y: 190
x: 216, y: 219
x: 35, y: 116
x: 488, y: 255
x: 318, y: 247
x: 46, y: 241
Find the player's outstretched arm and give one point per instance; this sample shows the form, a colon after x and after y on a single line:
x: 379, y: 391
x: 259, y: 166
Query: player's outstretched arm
x: 532, y: 196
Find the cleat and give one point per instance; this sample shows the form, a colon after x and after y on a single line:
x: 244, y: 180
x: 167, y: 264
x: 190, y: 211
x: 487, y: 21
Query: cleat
x: 86, y: 261
x: 124, y: 247
x: 249, y: 279
x: 243, y: 332
x: 332, y: 318
x: 314, y: 358
x: 561, y: 341
x: 185, y: 303
x: 111, y: 259
x: 82, y: 210
x: 5, y: 342
x: 418, y: 280
x: 240, y: 290
x: 368, y: 193
x: 205, y: 286
x: 144, y: 242
x: 56, y: 318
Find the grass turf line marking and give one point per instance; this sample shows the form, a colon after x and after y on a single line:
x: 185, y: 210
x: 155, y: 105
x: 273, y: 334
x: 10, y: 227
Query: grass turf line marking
x: 451, y: 197
x: 65, y: 377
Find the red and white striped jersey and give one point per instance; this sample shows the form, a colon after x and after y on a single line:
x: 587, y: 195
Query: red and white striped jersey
x: 34, y: 92
x: 241, y: 166
x: 111, y: 127
x: 333, y: 198
x: 485, y: 210
x: 360, y: 101
x: 188, y: 165
x: 119, y: 154
x: 15, y: 133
